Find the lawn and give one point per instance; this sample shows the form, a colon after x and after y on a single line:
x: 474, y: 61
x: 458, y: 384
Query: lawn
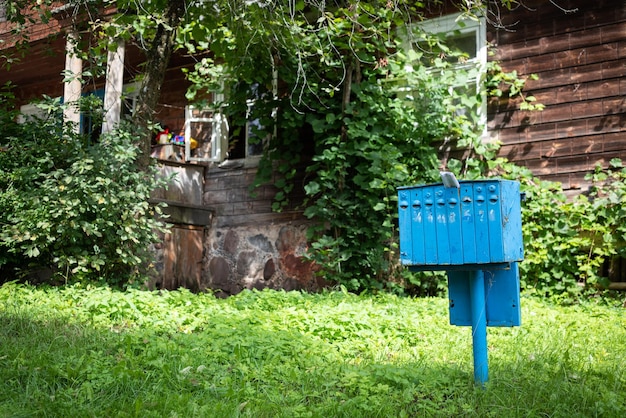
x: 81, y: 352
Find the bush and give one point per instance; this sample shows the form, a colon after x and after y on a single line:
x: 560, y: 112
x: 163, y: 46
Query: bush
x: 79, y: 211
x: 569, y: 241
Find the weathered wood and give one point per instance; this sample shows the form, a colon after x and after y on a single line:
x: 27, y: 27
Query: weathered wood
x: 580, y: 59
x: 182, y: 262
x: 617, y: 286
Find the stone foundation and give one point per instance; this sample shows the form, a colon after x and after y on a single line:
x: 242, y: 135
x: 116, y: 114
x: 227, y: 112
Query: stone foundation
x: 257, y: 257
x: 226, y: 239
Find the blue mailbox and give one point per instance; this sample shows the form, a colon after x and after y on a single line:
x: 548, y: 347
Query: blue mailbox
x: 473, y: 230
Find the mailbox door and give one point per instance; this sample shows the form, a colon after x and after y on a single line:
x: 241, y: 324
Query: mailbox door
x: 404, y: 226
x: 502, y: 297
x: 441, y: 226
x: 494, y: 220
x: 512, y: 239
x: 430, y: 230
x: 453, y: 214
x: 481, y: 227
x: 417, y: 225
x: 468, y: 229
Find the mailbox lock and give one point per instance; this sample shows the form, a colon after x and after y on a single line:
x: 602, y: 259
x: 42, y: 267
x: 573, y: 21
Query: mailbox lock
x: 417, y: 204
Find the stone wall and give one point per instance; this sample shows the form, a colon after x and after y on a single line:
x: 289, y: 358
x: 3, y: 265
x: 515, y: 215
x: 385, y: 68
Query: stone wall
x: 249, y: 246
x: 227, y: 239
x: 258, y: 257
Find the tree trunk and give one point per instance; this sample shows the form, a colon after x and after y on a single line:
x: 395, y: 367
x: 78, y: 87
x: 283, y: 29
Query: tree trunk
x: 158, y: 58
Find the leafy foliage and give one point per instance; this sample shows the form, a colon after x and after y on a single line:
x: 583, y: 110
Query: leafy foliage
x: 500, y: 84
x: 92, y: 351
x: 80, y: 210
x: 569, y: 242
x: 356, y: 113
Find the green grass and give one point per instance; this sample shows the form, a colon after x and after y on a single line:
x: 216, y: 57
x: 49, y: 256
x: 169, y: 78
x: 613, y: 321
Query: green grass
x: 76, y: 352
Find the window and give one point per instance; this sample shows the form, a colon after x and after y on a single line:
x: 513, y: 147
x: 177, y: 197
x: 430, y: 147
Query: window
x: 217, y: 137
x: 91, y: 115
x: 463, y: 44
x: 466, y: 36
x: 245, y: 126
x: 206, y: 132
x: 92, y: 110
x: 129, y: 99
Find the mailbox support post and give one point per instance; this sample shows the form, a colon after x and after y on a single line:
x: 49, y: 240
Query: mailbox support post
x: 479, y: 326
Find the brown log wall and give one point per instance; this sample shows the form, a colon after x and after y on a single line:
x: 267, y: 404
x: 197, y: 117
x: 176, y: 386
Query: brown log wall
x: 579, y: 53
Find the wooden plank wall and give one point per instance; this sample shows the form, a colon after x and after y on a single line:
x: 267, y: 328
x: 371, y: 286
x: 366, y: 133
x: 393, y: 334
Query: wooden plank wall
x: 578, y: 50
x: 227, y: 191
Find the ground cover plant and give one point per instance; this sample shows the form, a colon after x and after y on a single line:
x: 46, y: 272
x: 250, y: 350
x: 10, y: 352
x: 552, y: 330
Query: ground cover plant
x: 92, y: 351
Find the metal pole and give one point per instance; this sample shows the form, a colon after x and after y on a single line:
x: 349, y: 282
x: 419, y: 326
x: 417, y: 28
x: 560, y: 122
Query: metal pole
x: 479, y: 326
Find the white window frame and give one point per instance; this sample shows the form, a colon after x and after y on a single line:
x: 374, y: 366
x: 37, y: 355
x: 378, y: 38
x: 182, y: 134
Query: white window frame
x: 219, y: 134
x: 220, y: 130
x: 456, y: 23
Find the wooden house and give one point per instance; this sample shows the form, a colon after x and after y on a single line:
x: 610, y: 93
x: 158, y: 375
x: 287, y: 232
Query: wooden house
x: 223, y: 238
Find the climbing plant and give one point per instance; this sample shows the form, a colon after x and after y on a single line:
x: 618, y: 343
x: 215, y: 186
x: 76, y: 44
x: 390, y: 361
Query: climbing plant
x: 352, y: 114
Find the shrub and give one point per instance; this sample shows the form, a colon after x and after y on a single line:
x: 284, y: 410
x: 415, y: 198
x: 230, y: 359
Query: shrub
x: 79, y: 211
x: 568, y: 241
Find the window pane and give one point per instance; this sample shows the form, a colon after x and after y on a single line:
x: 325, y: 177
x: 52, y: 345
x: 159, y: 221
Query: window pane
x: 201, y: 132
x: 255, y: 144
x: 464, y: 43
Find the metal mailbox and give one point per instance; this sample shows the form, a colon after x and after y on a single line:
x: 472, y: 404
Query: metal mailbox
x: 475, y: 225
x: 473, y: 230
